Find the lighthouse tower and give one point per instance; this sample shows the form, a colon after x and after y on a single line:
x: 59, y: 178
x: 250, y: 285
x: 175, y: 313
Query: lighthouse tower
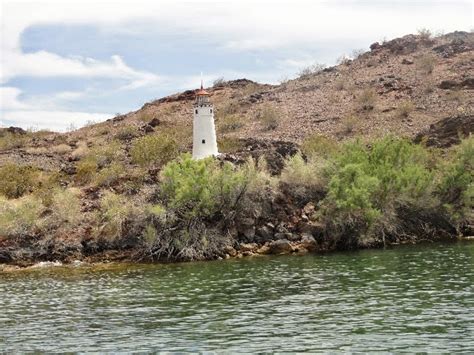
x: 204, y: 130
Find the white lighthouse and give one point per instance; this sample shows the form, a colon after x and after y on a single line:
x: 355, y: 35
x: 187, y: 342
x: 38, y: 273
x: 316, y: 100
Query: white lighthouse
x: 204, y: 130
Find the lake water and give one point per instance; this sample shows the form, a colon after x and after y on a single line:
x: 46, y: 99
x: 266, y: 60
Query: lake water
x: 417, y: 298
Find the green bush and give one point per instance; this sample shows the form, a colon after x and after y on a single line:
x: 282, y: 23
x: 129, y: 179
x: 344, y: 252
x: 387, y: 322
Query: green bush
x: 200, y: 188
x: 109, y: 175
x: 154, y: 149
x: 456, y: 187
x: 17, y: 180
x: 368, y: 185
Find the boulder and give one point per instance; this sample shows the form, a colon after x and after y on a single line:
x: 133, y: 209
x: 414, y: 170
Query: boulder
x: 265, y: 233
x: 248, y: 247
x: 282, y: 246
x: 308, y: 242
x: 407, y: 61
x: 154, y: 122
x: 230, y: 251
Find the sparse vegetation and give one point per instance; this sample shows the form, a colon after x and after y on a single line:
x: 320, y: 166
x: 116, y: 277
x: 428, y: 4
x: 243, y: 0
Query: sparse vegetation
x: 15, y: 181
x: 156, y: 149
x: 229, y: 145
x: 311, y: 70
x: 269, y: 117
x: 367, y: 99
x: 426, y: 64
x: 404, y: 109
x: 349, y: 123
x: 230, y: 123
x: 219, y: 82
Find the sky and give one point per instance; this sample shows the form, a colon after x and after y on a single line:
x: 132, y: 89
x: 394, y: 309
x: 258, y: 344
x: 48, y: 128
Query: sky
x: 64, y: 64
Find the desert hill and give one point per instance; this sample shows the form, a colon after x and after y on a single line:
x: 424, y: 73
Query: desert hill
x: 402, y: 87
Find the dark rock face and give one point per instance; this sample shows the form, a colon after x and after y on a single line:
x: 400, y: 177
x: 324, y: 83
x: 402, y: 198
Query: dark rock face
x: 459, y: 44
x: 448, y: 131
x: 154, y: 122
x: 16, y: 130
x: 453, y: 84
x: 275, y: 153
x: 407, y: 61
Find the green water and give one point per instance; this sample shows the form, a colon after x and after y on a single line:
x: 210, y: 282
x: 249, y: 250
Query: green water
x: 406, y: 299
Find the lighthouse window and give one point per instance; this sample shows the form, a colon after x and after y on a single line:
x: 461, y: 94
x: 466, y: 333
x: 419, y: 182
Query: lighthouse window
x: 196, y: 111
x: 203, y: 141
x: 210, y: 110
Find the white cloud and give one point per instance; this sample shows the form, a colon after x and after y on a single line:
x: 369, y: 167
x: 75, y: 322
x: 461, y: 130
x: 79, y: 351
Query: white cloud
x: 234, y: 26
x: 53, y: 120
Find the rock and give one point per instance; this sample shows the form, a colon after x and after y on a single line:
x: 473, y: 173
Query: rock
x: 265, y: 233
x: 308, y: 242
x: 248, y: 247
x: 309, y: 208
x: 264, y: 249
x: 468, y: 83
x: 286, y: 235
x: 68, y: 169
x: 154, y: 122
x: 282, y: 246
x: 5, y: 256
x: 448, y: 131
x: 407, y: 61
x: 230, y: 251
x: 448, y: 84
x: 16, y: 130
x: 375, y: 46
x: 246, y: 226
x: 148, y: 129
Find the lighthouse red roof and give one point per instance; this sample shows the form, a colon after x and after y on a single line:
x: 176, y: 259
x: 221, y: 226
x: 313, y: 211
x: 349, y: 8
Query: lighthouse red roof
x: 201, y: 91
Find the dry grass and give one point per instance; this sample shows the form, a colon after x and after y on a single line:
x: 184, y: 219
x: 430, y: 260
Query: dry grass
x: 425, y: 64
x: 404, y: 109
x: 367, y: 99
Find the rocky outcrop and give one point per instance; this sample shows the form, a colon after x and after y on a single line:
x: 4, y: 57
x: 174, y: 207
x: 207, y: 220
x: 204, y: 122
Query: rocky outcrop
x: 447, y: 132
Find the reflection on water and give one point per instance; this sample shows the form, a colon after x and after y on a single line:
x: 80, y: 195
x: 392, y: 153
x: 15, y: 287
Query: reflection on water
x: 405, y: 299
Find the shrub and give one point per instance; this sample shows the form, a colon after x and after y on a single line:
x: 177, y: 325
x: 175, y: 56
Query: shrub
x: 269, y: 117
x: 404, y: 109
x: 219, y: 82
x: 19, y: 217
x: 456, y: 187
x: 426, y: 64
x: 17, y: 180
x: 305, y: 181
x: 368, y: 187
x: 109, y: 175
x: 230, y: 145
x: 61, y: 149
x: 85, y: 170
x: 425, y: 34
x: 200, y: 188
x: 367, y: 99
x: 318, y: 146
x: 311, y: 70
x: 65, y: 209
x: 126, y: 133
x: 230, y: 123
x: 340, y: 84
x: 119, y: 218
x: 10, y: 140
x: 145, y: 116
x: 154, y: 149
x: 349, y: 123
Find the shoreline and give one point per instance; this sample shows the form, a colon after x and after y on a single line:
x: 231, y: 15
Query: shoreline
x: 248, y: 250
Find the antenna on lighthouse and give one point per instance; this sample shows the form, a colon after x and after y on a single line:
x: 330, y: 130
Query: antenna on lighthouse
x: 202, y: 86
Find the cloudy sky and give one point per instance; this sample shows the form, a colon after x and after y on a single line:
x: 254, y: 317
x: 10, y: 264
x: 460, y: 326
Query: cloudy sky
x: 65, y: 63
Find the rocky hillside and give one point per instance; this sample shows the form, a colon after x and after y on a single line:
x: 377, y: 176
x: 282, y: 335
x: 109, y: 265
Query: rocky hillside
x: 402, y: 87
